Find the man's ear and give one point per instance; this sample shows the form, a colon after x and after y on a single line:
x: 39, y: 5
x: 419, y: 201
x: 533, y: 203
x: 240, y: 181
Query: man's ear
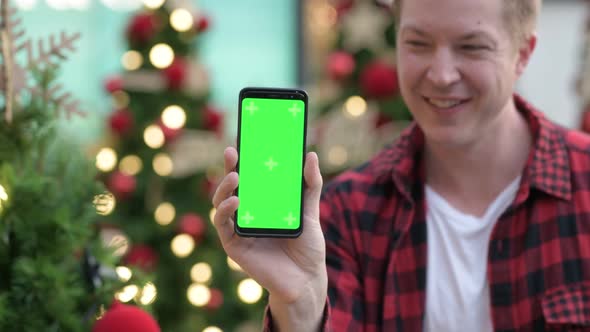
x: 525, y: 52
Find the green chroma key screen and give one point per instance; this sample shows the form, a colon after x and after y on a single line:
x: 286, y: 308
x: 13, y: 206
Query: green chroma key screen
x: 270, y: 165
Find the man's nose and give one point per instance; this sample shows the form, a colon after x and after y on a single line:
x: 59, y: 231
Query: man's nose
x: 443, y: 69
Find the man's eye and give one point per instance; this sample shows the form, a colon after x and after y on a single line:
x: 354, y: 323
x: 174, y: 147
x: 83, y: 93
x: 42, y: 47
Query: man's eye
x: 416, y: 43
x: 473, y: 47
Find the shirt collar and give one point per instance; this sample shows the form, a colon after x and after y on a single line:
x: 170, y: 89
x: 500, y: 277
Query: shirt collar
x: 547, y: 168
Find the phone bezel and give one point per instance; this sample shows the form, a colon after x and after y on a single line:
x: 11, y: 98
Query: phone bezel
x: 272, y: 93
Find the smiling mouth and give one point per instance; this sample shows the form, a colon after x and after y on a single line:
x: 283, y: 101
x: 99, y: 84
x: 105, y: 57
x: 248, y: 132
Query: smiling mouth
x: 445, y: 103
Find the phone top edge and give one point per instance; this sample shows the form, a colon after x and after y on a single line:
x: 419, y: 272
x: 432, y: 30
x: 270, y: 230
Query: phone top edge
x: 264, y: 90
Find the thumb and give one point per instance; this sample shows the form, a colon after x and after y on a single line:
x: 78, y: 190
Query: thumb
x: 313, y: 186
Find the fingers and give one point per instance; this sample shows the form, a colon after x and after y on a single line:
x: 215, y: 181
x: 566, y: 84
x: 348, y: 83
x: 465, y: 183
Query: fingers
x: 226, y: 188
x: 314, y: 182
x: 230, y: 182
x: 223, y: 200
x: 223, y: 218
x: 230, y: 158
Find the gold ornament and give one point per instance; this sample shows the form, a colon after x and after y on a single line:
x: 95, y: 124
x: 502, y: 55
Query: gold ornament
x: 105, y: 203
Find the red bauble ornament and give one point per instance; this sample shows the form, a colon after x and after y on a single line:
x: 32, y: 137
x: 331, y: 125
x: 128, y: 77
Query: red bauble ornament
x: 126, y: 318
x: 113, y: 84
x: 121, y: 185
x: 169, y: 133
x: 340, y: 65
x: 175, y: 74
x: 143, y: 257
x: 193, y: 225
x: 202, y: 24
x: 586, y: 121
x: 121, y: 121
x: 382, y: 119
x: 212, y: 119
x: 216, y: 300
x: 379, y: 80
x: 343, y: 7
x: 141, y: 28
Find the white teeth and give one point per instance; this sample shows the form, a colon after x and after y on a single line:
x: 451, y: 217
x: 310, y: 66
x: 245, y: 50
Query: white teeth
x: 443, y: 103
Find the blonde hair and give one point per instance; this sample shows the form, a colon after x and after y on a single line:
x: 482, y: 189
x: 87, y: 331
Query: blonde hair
x: 520, y: 16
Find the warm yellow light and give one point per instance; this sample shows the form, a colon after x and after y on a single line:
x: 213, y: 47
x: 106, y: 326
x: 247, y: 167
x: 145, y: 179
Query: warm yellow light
x: 153, y: 4
x: 174, y: 117
x: 148, y: 294
x: 161, y: 56
x: 337, y: 155
x: 165, y: 213
x: 233, y: 265
x: 121, y: 99
x: 201, y: 272
x: 198, y: 295
x: 249, y: 291
x: 182, y: 245
x: 181, y: 20
x: 3, y: 196
x: 162, y: 164
x: 131, y: 60
x: 212, y: 329
x: 355, y: 106
x: 104, y: 203
x: 106, y: 159
x: 131, y: 165
x: 124, y: 273
x: 153, y: 137
x: 127, y: 294
x: 212, y: 214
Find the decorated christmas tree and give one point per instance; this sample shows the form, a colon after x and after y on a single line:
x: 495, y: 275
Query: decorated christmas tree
x: 53, y: 265
x: 161, y: 160
x: 357, y: 101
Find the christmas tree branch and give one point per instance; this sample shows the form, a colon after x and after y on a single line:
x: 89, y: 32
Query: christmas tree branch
x: 57, y: 48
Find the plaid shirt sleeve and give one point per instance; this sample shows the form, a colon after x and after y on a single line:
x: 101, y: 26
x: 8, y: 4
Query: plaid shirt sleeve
x: 344, y: 285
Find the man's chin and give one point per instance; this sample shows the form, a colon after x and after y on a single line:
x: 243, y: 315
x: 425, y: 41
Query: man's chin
x: 448, y: 137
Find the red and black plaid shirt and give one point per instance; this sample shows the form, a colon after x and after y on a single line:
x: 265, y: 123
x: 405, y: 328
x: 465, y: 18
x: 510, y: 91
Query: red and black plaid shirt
x: 538, y: 264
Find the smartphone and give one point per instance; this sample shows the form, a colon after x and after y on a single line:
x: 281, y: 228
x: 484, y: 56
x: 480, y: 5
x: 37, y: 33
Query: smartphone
x: 271, y: 144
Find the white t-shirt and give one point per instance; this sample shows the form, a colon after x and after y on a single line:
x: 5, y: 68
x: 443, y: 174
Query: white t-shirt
x: 457, y: 290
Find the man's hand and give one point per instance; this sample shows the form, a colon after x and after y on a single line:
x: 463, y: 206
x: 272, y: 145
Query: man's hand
x: 292, y: 270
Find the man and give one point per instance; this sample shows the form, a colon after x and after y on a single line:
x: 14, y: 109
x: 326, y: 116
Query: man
x: 476, y: 219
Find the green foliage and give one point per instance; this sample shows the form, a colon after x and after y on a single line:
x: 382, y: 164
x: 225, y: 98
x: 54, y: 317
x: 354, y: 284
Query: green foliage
x: 46, y: 224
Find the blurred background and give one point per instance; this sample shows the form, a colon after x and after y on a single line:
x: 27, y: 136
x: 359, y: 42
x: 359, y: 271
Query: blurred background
x: 259, y: 43
x: 159, y: 82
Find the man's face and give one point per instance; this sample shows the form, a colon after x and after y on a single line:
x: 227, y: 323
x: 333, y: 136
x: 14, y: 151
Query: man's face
x: 457, y: 67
